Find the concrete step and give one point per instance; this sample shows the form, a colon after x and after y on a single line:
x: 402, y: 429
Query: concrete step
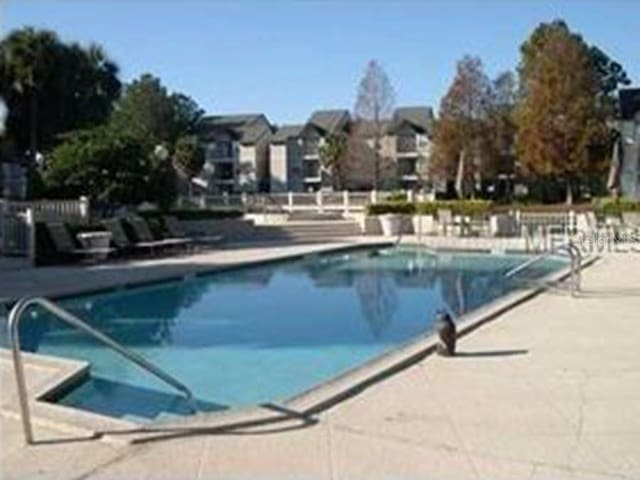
x: 314, y: 231
x: 306, y: 215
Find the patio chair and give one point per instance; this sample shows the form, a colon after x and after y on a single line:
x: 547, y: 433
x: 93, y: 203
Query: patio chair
x: 143, y: 232
x: 122, y: 241
x: 65, y: 244
x: 176, y: 230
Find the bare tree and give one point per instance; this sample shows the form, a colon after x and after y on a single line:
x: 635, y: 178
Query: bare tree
x: 374, y: 105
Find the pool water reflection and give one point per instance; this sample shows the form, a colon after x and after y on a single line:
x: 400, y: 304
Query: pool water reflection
x: 265, y: 333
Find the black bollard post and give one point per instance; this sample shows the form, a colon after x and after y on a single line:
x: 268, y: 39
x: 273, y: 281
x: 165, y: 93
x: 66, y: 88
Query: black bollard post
x: 447, y: 335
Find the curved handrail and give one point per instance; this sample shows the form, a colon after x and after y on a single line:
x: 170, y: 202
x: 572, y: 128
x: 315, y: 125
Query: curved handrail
x: 13, y: 329
x: 575, y: 256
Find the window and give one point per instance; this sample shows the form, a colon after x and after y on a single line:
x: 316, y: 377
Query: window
x: 220, y: 149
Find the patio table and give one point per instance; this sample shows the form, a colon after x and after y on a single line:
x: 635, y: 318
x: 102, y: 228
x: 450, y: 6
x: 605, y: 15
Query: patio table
x: 96, y: 241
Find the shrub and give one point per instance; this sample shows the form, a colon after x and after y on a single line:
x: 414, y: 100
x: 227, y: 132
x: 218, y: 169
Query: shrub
x: 398, y: 196
x: 458, y: 207
x: 403, y: 208
x: 428, y: 208
x: 614, y: 207
x: 471, y: 207
x: 187, y: 214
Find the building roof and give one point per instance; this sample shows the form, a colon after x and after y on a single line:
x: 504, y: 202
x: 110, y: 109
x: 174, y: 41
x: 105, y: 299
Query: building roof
x: 368, y: 128
x: 247, y: 127
x: 419, y: 117
x: 285, y: 132
x: 329, y: 121
x: 629, y: 103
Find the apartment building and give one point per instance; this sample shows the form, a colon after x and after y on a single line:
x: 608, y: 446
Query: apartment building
x: 630, y: 143
x: 407, y: 140
x: 404, y: 146
x: 295, y: 151
x: 236, y: 153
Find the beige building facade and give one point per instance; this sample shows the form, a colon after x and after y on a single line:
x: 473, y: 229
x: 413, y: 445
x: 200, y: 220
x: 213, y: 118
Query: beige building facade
x: 405, y: 147
x: 236, y: 153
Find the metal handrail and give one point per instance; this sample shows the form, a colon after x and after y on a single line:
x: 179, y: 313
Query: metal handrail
x: 575, y: 263
x: 13, y: 329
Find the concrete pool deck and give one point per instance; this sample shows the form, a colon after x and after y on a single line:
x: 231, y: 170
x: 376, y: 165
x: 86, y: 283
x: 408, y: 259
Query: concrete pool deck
x: 550, y: 389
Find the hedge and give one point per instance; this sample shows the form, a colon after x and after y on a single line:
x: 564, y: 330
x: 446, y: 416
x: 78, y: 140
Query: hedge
x: 615, y: 207
x: 457, y: 207
x: 384, y: 208
x: 192, y: 214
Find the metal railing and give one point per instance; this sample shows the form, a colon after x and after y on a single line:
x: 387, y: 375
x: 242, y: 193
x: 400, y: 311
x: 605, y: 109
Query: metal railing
x: 16, y: 315
x: 575, y: 264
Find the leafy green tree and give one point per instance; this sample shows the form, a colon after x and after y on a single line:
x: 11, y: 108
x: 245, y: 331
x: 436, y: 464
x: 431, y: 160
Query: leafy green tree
x: 110, y: 166
x: 149, y: 112
x: 332, y: 155
x: 188, y: 157
x: 611, y: 75
x: 53, y: 87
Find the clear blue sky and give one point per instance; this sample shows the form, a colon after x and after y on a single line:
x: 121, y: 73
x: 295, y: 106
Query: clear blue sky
x: 286, y: 58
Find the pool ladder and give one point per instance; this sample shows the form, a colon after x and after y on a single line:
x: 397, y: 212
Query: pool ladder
x: 15, y: 317
x: 575, y: 263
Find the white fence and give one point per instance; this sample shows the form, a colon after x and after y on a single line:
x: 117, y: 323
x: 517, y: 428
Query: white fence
x: 320, y: 201
x: 18, y: 219
x: 70, y: 211
x: 17, y: 230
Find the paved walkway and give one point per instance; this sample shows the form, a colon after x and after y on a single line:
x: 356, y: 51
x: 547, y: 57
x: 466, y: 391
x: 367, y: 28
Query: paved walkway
x: 550, y: 390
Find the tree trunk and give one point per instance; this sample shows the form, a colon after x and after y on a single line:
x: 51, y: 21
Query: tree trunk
x: 569, y: 199
x: 33, y: 123
x: 376, y: 164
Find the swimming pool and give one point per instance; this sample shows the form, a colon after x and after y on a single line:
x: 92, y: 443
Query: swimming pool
x: 265, y: 333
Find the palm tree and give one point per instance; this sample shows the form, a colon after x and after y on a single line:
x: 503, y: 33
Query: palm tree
x: 332, y: 154
x: 23, y: 54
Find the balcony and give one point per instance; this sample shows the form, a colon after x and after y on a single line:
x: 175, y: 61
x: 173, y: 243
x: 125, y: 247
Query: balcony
x: 407, y: 168
x: 220, y: 152
x: 311, y: 171
x: 311, y: 148
x: 223, y: 173
x: 406, y: 145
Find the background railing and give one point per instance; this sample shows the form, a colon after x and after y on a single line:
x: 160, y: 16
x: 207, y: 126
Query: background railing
x: 71, y: 211
x: 289, y: 202
x: 18, y: 218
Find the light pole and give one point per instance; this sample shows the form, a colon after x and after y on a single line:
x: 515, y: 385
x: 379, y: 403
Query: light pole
x: 3, y: 116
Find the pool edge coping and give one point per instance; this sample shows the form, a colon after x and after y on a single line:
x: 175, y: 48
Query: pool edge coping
x: 316, y: 399
x: 325, y: 395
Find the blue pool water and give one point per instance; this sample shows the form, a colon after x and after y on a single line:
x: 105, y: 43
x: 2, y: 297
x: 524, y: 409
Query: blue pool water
x: 264, y: 333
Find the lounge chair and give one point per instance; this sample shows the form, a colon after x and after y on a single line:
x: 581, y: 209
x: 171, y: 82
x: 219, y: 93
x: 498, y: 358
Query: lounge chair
x: 64, y: 243
x: 143, y: 232
x: 122, y: 241
x: 176, y: 229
